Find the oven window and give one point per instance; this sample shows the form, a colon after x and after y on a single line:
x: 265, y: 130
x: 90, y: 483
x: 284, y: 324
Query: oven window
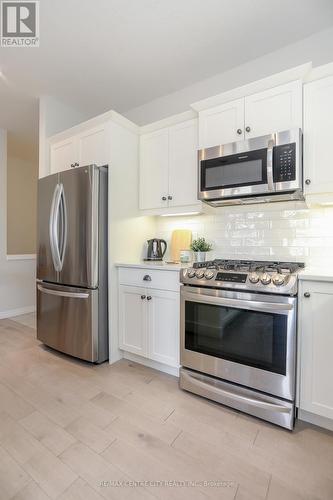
x: 234, y: 170
x: 250, y: 338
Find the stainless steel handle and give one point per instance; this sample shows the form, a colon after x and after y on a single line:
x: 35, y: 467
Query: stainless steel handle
x: 164, y: 198
x: 53, y: 232
x: 76, y: 164
x: 149, y: 297
x: 248, y: 129
x: 72, y: 165
x: 147, y: 277
x: 307, y: 182
x: 143, y: 297
x: 269, y: 166
x: 307, y: 294
x: 169, y: 197
x: 239, y: 131
x: 55, y: 226
x: 251, y: 305
x: 72, y: 295
x: 237, y: 397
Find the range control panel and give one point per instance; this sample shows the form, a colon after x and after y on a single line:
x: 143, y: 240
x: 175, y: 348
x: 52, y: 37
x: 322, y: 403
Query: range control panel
x: 231, y: 277
x: 284, y: 162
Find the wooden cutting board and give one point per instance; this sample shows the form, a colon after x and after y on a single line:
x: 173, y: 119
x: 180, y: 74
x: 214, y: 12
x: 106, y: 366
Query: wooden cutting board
x: 181, y: 239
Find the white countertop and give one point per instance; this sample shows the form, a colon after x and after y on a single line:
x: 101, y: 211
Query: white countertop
x: 160, y: 265
x: 316, y: 274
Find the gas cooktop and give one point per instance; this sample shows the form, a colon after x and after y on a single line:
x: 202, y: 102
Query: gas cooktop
x: 260, y: 276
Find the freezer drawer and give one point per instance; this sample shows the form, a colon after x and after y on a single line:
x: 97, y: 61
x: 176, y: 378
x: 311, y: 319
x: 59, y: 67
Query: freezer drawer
x: 68, y: 320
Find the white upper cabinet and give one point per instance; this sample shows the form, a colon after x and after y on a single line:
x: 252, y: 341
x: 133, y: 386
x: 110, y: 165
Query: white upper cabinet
x: 63, y: 155
x: 318, y: 134
x: 221, y: 124
x: 273, y: 110
x: 85, y: 148
x: 93, y: 146
x: 154, y: 164
x: 183, y: 146
x: 316, y: 347
x: 168, y: 167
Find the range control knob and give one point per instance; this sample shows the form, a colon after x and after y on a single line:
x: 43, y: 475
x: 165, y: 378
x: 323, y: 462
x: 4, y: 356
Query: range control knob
x: 278, y: 279
x: 199, y: 274
x: 191, y: 273
x: 254, y: 277
x: 209, y: 274
x: 265, y: 279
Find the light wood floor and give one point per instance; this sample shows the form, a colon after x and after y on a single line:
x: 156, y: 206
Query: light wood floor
x: 69, y: 429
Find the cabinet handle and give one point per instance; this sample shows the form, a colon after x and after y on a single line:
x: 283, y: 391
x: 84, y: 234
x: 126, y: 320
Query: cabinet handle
x: 72, y: 165
x: 147, y: 277
x: 149, y: 297
x: 307, y: 295
x: 307, y: 182
x: 248, y: 129
x: 164, y: 198
x: 143, y: 297
x: 76, y: 164
x: 169, y: 197
x: 239, y: 131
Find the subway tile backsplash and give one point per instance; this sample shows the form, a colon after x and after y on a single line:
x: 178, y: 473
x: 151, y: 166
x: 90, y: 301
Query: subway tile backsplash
x: 278, y: 231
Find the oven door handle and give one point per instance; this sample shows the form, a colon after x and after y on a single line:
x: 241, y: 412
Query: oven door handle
x: 252, y: 305
x: 236, y: 397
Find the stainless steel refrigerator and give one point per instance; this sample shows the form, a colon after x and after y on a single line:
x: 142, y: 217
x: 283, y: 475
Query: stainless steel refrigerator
x: 72, y: 262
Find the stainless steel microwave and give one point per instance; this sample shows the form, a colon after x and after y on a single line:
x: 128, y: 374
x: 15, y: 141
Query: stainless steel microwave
x: 262, y: 169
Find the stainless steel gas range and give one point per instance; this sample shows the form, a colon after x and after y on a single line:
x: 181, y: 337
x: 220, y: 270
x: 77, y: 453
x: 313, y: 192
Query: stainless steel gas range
x: 238, y: 335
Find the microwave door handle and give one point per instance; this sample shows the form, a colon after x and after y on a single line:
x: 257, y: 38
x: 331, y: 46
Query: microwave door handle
x: 269, y: 166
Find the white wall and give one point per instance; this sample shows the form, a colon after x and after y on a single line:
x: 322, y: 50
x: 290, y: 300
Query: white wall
x: 54, y: 116
x: 318, y: 48
x: 17, y: 278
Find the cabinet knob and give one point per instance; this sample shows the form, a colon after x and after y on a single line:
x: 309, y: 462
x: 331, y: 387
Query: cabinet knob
x: 143, y: 297
x: 72, y: 165
x: 307, y: 182
x: 149, y: 297
x: 147, y: 277
x: 248, y: 129
x: 307, y: 295
x: 76, y: 164
x: 164, y: 198
x: 169, y: 197
x: 239, y: 131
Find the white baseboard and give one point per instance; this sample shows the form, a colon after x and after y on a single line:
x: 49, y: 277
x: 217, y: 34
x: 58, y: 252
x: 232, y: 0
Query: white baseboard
x: 27, y: 256
x: 307, y: 416
x: 171, y: 370
x: 10, y: 313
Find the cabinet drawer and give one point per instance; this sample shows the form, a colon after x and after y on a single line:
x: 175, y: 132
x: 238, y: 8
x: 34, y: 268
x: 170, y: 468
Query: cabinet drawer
x: 164, y: 280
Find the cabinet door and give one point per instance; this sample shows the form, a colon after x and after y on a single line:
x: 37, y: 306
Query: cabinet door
x: 316, y: 348
x: 63, y: 154
x: 93, y: 147
x: 318, y: 133
x: 154, y: 164
x: 183, y: 164
x: 163, y: 326
x: 221, y: 124
x: 273, y: 110
x: 132, y: 319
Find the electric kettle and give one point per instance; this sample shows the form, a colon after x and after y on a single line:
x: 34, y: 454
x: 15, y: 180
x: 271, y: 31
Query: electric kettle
x: 155, y: 251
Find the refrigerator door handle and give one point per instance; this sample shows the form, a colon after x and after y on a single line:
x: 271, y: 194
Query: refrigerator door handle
x: 53, y: 235
x: 73, y: 295
x: 63, y: 214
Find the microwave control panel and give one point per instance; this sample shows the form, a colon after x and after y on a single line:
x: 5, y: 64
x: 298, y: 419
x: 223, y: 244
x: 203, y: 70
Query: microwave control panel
x: 284, y: 163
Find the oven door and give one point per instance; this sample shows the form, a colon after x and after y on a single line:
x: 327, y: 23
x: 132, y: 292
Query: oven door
x: 245, y: 338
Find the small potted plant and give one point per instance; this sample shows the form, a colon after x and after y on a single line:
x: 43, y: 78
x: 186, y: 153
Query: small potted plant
x: 200, y: 247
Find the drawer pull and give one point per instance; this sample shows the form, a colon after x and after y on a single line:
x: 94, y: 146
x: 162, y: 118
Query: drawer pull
x: 147, y: 277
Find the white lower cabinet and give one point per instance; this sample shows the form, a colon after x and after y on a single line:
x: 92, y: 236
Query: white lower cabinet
x: 315, y: 338
x: 149, y: 323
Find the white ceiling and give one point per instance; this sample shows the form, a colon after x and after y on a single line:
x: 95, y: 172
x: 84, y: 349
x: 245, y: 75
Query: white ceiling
x: 118, y: 54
